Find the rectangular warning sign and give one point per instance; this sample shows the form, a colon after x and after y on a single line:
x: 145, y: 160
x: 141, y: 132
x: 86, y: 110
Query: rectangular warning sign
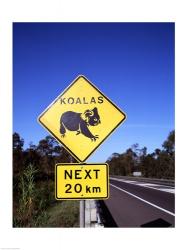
x: 81, y: 181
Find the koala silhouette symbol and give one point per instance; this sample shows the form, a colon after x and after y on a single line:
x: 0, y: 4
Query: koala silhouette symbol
x: 79, y: 122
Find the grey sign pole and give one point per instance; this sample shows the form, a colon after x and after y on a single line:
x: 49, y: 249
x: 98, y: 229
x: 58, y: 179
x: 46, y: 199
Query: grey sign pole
x: 82, y: 213
x: 81, y: 207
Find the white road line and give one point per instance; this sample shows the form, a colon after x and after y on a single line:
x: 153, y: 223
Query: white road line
x: 127, y: 181
x: 148, y: 185
x: 167, y: 190
x: 171, y: 190
x: 137, y: 197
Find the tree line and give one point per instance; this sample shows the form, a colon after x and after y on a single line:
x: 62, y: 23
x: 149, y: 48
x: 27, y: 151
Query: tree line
x: 47, y: 153
x: 43, y: 156
x: 159, y: 164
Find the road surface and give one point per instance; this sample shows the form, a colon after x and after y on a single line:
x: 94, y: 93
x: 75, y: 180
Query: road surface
x: 139, y: 204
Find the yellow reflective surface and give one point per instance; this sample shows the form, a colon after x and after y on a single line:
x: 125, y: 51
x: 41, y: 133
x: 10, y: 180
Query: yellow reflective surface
x: 81, y: 181
x: 70, y: 118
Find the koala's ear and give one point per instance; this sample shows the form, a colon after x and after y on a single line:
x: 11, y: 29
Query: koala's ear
x: 95, y: 110
x: 87, y: 113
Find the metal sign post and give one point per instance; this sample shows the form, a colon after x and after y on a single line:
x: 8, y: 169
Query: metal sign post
x: 82, y: 213
x: 81, y: 206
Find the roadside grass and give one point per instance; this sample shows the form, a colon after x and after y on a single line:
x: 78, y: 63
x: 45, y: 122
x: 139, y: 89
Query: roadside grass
x: 35, y: 204
x: 63, y: 214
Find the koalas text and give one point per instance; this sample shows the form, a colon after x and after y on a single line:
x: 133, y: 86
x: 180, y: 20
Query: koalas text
x: 81, y: 100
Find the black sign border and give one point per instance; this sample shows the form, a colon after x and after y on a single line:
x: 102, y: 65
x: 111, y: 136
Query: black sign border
x: 75, y: 156
x: 82, y: 164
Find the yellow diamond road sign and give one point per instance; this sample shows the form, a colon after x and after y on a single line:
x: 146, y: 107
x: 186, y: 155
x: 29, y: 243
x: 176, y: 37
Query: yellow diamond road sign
x: 81, y: 181
x: 81, y: 118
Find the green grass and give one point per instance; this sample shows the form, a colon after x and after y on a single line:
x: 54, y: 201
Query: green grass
x: 63, y: 214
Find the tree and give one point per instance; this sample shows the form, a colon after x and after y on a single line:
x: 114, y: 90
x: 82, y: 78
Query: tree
x: 31, y: 156
x: 18, y: 159
x: 149, y: 166
x: 18, y: 142
x: 169, y: 144
x: 157, y: 152
x: 46, y: 146
x: 167, y: 156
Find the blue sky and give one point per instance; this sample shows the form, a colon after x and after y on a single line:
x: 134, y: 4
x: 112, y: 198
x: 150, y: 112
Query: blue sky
x: 131, y: 63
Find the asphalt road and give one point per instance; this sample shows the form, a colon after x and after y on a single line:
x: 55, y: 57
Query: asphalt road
x: 140, y: 204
